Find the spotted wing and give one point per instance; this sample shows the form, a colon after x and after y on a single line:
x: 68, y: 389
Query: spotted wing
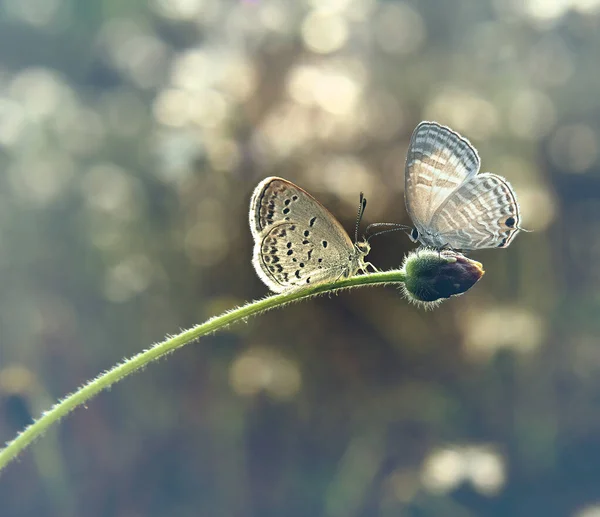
x: 438, y: 162
x: 290, y: 227
x: 483, y: 213
x: 276, y: 200
x: 288, y: 255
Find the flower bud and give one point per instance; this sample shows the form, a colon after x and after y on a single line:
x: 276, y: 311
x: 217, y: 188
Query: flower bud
x: 432, y: 275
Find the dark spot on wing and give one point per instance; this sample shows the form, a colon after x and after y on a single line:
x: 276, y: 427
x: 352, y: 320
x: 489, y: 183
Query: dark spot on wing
x: 324, y: 243
x: 311, y: 223
x: 290, y: 252
x: 510, y: 222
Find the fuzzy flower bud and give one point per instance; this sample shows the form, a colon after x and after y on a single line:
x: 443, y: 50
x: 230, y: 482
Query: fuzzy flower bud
x: 432, y: 275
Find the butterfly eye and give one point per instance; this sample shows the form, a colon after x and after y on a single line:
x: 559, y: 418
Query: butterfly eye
x: 414, y: 235
x: 363, y: 247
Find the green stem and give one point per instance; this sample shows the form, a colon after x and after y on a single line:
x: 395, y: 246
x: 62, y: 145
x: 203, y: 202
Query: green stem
x: 122, y: 370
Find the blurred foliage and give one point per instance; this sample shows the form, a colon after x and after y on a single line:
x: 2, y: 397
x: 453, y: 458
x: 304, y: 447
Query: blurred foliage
x: 131, y: 136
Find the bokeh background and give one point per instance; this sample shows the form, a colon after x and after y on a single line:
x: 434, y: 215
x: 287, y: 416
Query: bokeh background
x: 132, y: 134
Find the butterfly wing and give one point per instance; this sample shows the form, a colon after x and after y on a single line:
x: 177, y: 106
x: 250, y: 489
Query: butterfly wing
x: 286, y: 257
x: 483, y: 213
x: 438, y: 162
x: 276, y: 200
x: 297, y: 241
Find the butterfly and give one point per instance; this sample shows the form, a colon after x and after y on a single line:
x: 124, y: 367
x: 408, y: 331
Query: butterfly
x: 297, y: 241
x: 449, y: 203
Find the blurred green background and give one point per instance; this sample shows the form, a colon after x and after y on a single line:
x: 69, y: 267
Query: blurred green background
x: 131, y: 136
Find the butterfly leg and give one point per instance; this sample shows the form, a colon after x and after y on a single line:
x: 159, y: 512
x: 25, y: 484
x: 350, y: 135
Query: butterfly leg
x: 345, y: 273
x: 365, y: 268
x: 446, y: 247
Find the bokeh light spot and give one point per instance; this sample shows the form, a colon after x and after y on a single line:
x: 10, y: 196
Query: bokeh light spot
x: 260, y: 369
x: 128, y: 278
x: 532, y: 114
x: 464, y: 111
x: 485, y: 331
x: 16, y: 379
x: 38, y: 13
x: 592, y: 510
x: 178, y: 9
x: 172, y: 107
x: 40, y: 180
x: 486, y: 469
x: 574, y: 148
x: 112, y: 190
x: 443, y: 470
x: 337, y: 93
x: 324, y: 33
x: 398, y: 28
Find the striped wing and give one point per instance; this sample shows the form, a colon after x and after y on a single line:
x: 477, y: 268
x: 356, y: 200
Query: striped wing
x: 438, y: 162
x: 483, y: 213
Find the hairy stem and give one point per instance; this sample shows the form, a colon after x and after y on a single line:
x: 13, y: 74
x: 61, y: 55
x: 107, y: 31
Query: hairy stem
x: 158, y: 350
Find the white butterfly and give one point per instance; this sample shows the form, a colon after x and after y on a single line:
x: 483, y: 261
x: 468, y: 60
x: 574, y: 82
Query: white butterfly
x: 450, y: 204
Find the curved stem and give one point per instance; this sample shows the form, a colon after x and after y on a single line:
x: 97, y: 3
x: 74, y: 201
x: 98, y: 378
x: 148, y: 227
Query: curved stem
x: 158, y: 350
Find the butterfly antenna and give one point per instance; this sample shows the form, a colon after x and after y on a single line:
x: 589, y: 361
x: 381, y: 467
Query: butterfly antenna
x: 391, y: 227
x: 362, y: 204
x: 523, y: 229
